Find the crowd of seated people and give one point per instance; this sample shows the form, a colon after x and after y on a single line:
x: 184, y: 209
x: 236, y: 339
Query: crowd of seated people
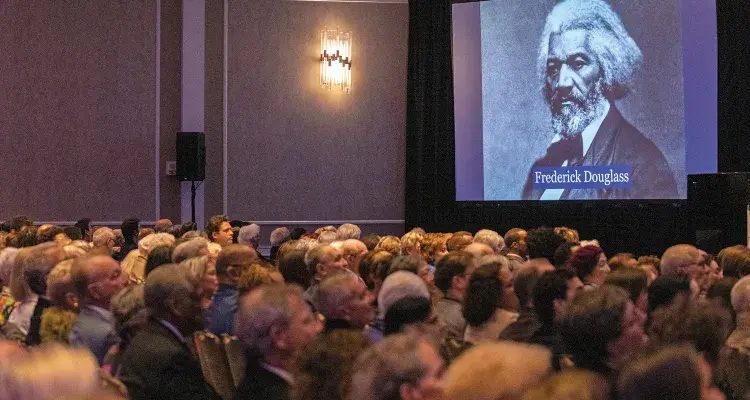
x: 171, y: 312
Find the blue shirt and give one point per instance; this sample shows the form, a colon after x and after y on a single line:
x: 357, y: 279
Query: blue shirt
x: 220, y: 317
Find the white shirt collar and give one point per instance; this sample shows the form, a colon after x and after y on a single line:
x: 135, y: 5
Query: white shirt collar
x: 278, y: 371
x: 588, y: 134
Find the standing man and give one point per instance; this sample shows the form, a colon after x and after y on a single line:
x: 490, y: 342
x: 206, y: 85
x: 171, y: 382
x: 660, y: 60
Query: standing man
x: 587, y: 61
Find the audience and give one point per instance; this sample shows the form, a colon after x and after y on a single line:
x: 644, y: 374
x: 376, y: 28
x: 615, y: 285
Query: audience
x: 590, y: 264
x: 321, y: 261
x: 452, y: 276
x: 669, y: 373
x: 435, y: 311
x: 158, y: 363
x: 273, y: 323
x: 484, y: 310
x: 219, y: 230
x: 541, y: 244
x: 500, y: 370
x: 230, y: 264
x: 97, y: 279
x: 345, y: 302
x: 57, y: 320
x: 551, y: 295
x: 601, y: 329
x: 401, y: 367
x: 325, y: 366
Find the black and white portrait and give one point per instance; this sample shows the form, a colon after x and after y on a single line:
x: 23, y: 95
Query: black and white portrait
x: 582, y: 83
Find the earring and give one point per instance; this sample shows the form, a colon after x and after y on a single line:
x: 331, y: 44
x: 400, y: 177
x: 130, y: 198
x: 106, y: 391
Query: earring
x: 75, y: 305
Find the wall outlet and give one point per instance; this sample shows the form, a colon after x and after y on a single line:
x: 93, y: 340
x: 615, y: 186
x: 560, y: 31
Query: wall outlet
x: 171, y: 168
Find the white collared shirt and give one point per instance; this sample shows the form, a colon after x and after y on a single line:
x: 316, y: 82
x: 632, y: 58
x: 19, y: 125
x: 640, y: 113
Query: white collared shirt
x: 278, y: 371
x: 587, y: 136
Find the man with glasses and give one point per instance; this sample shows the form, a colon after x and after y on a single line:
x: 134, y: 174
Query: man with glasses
x: 232, y: 259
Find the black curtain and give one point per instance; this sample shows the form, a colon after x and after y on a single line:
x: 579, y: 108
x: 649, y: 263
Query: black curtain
x: 430, y: 140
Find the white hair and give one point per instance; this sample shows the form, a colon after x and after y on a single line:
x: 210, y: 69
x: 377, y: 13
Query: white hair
x: 334, y: 292
x: 262, y: 309
x: 399, y: 285
x: 50, y: 372
x: 249, y: 235
x: 616, y: 52
x: 7, y: 259
x: 327, y: 237
x: 741, y: 295
x: 155, y: 240
x: 192, y: 248
x: 348, y: 231
x: 279, y: 236
x: 102, y: 235
x: 490, y: 238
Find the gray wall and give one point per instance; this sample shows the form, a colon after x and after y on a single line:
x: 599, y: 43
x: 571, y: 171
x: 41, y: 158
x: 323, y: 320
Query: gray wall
x: 78, y: 110
x: 295, y: 151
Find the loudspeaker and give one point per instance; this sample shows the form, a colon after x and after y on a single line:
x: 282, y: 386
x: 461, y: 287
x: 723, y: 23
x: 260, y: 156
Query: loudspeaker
x: 718, y: 206
x: 191, y: 156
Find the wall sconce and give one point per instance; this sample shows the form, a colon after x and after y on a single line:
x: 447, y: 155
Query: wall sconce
x: 336, y: 59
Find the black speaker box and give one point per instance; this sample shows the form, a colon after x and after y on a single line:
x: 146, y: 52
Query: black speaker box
x: 718, y: 207
x: 191, y: 156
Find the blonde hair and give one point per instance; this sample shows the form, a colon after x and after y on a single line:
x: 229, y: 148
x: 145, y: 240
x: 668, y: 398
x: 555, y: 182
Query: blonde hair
x: 391, y: 244
x: 256, y: 275
x: 411, y: 240
x: 500, y: 370
x: 60, y: 283
x: 195, y: 269
x: 570, y: 384
x: 49, y: 372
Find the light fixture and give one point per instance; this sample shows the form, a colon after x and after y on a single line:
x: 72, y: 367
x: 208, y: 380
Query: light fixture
x: 336, y: 59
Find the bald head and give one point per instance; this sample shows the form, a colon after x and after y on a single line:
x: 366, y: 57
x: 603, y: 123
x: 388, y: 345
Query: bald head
x: 353, y: 250
x: 479, y: 250
x: 163, y: 226
x: 97, y: 279
x: 234, y: 255
x: 680, y: 260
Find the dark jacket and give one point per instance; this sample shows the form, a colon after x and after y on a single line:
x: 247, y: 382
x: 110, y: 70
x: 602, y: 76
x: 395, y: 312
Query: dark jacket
x: 260, y: 383
x: 33, y: 338
x: 618, y: 143
x: 159, y: 365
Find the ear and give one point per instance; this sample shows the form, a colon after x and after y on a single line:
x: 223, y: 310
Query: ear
x: 407, y: 392
x: 559, y: 305
x: 343, y: 311
x: 279, y: 337
x: 233, y: 274
x: 93, y: 291
x: 71, y: 300
x: 174, y: 307
x: 320, y: 269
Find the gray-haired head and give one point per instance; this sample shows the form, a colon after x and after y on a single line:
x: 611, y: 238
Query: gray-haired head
x: 249, y: 235
x: 262, y: 309
x: 7, y: 258
x: 348, y: 231
x: 381, y: 370
x: 490, y: 238
x: 169, y: 294
x: 334, y: 293
x: 279, y: 236
x: 399, y: 285
x: 126, y: 304
x: 195, y: 247
x: 616, y: 52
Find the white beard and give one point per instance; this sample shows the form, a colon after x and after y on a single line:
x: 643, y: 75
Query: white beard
x: 574, y: 118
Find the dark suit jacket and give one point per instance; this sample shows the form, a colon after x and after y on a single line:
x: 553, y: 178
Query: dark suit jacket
x: 260, y: 383
x: 619, y: 142
x: 158, y: 365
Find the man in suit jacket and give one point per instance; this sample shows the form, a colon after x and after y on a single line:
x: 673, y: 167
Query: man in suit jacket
x: 158, y: 363
x: 586, y: 62
x: 273, y: 323
x: 97, y: 279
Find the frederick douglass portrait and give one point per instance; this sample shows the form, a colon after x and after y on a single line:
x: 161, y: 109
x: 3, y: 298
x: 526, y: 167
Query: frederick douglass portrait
x: 587, y: 60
